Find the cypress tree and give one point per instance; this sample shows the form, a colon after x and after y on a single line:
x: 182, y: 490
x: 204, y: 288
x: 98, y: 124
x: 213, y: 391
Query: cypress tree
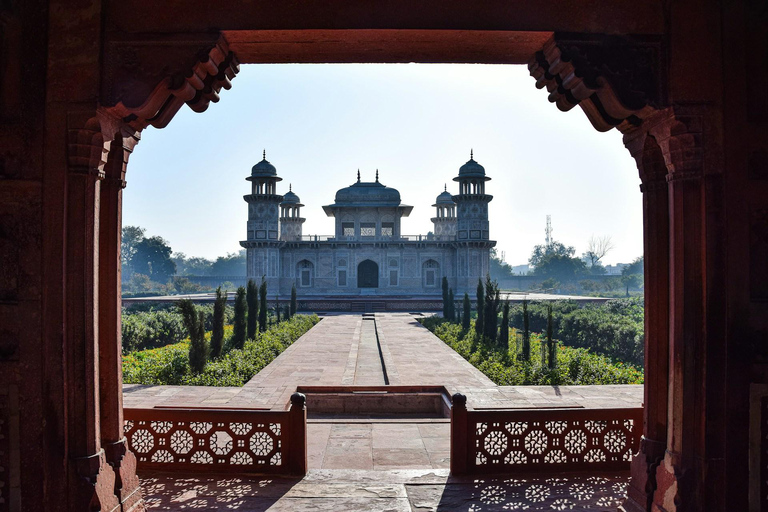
x: 551, y: 343
x: 293, y: 301
x: 252, y: 298
x: 217, y: 334
x: 451, y: 306
x: 194, y: 321
x: 277, y: 309
x: 263, y: 308
x: 504, y: 332
x: 491, y: 321
x: 526, y: 333
x: 480, y: 308
x: 446, y: 307
x: 239, y: 330
x: 467, y: 311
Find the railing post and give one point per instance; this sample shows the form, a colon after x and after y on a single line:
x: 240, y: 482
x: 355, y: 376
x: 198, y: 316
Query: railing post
x: 296, y: 450
x: 459, y: 435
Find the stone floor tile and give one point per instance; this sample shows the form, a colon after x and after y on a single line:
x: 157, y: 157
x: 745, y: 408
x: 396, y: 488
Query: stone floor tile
x: 400, y: 458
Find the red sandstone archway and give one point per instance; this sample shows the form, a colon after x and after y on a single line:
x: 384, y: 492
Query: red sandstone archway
x: 146, y: 82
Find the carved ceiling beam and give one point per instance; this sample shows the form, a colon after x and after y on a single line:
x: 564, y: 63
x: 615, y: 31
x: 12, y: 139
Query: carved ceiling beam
x: 613, y: 79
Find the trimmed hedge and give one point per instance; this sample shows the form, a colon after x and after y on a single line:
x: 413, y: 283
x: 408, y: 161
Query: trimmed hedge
x: 575, y: 366
x: 169, y: 365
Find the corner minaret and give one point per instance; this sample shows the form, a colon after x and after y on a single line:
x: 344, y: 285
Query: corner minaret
x: 472, y: 202
x: 472, y: 234
x: 290, y: 217
x: 262, y: 242
x: 445, y: 216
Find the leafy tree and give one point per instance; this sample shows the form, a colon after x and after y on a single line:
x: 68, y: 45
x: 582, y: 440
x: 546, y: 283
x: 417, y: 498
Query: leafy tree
x: 233, y: 264
x: 445, y: 297
x: 217, y: 333
x: 184, y: 285
x: 191, y: 266
x: 556, y: 248
x: 141, y: 283
x: 504, y: 331
x: 631, y: 281
x: 252, y: 298
x: 263, y: 307
x: 632, y: 274
x: 195, y: 323
x: 499, y: 268
x: 480, y: 308
x: 466, y: 310
x: 152, y: 257
x: 491, y: 309
x: 293, y: 300
x: 239, y: 328
x: 526, y: 333
x: 560, y: 267
x: 131, y: 235
x: 636, y: 267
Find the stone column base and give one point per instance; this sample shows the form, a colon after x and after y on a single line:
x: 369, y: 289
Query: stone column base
x: 95, y: 487
x: 642, y: 484
x: 667, y: 495
x: 127, y: 486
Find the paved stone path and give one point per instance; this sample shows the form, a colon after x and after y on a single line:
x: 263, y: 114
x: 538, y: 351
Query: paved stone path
x: 395, y: 491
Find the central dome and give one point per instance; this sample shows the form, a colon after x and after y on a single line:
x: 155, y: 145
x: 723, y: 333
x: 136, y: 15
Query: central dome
x: 367, y: 194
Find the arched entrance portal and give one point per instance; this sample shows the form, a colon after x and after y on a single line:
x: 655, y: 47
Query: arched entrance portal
x: 368, y: 274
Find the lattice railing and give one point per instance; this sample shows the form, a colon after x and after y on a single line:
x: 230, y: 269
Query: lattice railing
x: 543, y: 439
x: 222, y: 440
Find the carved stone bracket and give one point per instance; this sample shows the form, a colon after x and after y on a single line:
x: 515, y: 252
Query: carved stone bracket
x: 197, y: 86
x: 615, y: 80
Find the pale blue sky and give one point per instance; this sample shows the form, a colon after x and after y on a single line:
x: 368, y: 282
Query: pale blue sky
x: 415, y: 123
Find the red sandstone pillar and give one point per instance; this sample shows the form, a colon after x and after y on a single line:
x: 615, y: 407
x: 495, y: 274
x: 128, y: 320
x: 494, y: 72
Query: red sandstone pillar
x: 459, y: 435
x: 656, y: 250
x: 297, y: 436
x: 92, y: 482
x: 127, y: 486
x: 691, y: 476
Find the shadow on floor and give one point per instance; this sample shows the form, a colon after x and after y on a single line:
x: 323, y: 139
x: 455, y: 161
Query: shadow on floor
x: 562, y: 492
x: 214, y: 492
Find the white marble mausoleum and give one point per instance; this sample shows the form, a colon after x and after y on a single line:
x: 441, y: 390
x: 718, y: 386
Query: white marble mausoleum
x: 368, y: 254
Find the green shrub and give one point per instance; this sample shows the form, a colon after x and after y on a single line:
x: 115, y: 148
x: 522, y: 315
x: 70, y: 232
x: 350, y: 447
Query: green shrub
x: 150, y: 329
x: 575, y: 366
x: 169, y: 365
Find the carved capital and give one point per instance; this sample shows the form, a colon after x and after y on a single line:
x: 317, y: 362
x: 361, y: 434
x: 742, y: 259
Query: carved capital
x: 148, y: 81
x: 615, y: 80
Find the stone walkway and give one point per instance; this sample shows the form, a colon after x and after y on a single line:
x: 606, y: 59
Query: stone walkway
x: 395, y: 491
